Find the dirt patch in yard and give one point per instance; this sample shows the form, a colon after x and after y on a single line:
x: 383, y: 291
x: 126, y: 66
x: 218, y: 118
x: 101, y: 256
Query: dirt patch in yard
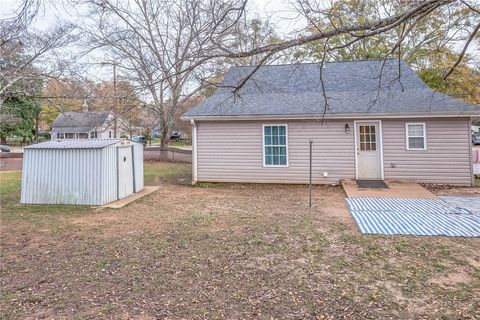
x: 453, y: 279
x: 217, y: 251
x: 444, y: 190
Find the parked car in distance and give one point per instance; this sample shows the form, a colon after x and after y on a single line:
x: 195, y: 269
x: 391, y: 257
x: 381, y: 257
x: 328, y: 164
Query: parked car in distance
x: 476, y: 138
x: 44, y: 134
x: 4, y: 148
x: 176, y: 135
x: 140, y: 139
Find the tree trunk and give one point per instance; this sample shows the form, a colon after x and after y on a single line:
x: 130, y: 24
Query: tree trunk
x: 163, y: 132
x: 164, y: 137
x: 3, y: 140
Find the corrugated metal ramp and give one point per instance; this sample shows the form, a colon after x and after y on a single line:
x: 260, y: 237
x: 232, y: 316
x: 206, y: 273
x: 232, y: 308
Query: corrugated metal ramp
x: 423, y: 217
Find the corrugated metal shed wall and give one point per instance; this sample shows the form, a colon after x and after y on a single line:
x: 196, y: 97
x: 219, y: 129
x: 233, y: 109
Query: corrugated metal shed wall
x: 62, y: 176
x: 109, y: 174
x: 85, y: 176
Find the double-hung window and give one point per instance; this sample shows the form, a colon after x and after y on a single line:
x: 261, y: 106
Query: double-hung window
x: 275, y: 147
x: 416, y: 136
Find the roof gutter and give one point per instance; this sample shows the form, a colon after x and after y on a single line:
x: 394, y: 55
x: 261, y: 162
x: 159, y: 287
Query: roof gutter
x: 466, y: 114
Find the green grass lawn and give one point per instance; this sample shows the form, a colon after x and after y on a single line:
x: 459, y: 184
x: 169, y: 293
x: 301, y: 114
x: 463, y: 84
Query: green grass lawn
x: 180, y: 143
x: 216, y: 251
x: 13, y: 211
x: 170, y: 172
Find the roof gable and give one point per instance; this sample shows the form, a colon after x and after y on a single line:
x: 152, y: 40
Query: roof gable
x: 337, y: 77
x: 84, y: 121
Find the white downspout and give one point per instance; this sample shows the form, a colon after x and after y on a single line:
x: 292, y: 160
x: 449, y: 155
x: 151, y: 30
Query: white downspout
x: 194, y: 152
x: 470, y: 151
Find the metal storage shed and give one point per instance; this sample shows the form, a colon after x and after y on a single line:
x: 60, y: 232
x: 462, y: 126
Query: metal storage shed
x: 88, y: 172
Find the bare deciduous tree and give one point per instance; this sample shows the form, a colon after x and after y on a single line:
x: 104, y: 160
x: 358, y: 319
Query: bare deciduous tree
x: 167, y: 44
x: 27, y: 57
x: 315, y: 11
x: 27, y: 54
x: 158, y: 44
x: 170, y: 49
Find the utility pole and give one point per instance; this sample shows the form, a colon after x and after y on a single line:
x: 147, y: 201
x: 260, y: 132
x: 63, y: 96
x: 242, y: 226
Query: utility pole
x: 310, y: 177
x: 114, y: 99
x: 37, y: 119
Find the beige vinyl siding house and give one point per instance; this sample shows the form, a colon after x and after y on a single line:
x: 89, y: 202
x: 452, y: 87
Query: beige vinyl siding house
x: 232, y: 151
x: 445, y: 160
x: 263, y: 135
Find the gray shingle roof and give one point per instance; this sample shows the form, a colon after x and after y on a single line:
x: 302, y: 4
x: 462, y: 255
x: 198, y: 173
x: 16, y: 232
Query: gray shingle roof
x: 354, y: 87
x: 79, y: 121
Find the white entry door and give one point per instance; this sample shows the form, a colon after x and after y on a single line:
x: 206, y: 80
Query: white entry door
x: 369, y: 158
x: 125, y: 172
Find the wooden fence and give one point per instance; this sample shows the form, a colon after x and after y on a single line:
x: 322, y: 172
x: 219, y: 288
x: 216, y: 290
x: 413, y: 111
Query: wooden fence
x: 167, y: 154
x: 13, y: 160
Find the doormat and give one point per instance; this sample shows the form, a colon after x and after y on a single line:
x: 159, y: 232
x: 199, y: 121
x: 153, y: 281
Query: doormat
x: 375, y: 184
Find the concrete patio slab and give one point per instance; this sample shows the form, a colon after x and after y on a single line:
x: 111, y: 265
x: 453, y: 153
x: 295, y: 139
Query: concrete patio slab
x: 123, y: 202
x: 396, y: 189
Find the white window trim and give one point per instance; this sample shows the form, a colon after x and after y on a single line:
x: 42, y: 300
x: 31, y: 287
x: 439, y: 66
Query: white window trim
x: 407, y: 143
x: 263, y: 145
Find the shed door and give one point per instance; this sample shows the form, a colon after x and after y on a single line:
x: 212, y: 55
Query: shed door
x: 368, y: 150
x: 125, y: 172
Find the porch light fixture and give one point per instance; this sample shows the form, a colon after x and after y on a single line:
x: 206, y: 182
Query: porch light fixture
x: 347, y: 128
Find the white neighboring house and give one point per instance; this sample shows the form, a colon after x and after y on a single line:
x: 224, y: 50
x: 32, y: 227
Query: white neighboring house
x: 83, y: 125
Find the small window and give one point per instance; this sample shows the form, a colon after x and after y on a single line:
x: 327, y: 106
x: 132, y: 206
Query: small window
x: 69, y: 136
x: 275, y: 146
x: 368, y: 138
x: 110, y: 134
x: 416, y: 136
x: 93, y: 135
x: 60, y: 135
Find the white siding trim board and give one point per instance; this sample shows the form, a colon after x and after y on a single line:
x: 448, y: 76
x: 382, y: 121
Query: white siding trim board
x: 472, y: 173
x: 338, y: 116
x: 194, y: 152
